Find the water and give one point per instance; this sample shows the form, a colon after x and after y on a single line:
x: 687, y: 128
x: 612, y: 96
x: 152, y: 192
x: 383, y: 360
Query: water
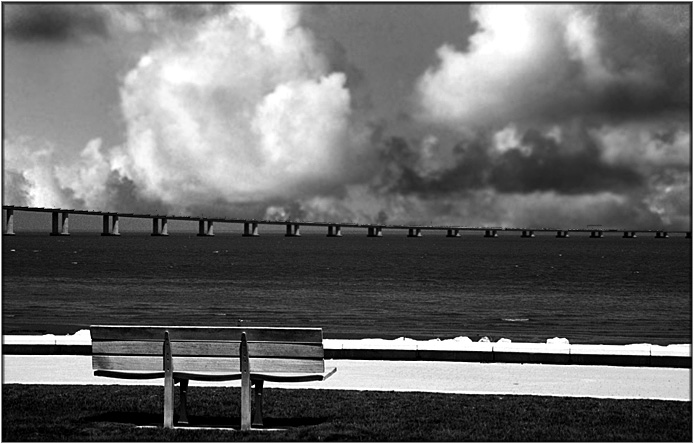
x: 609, y: 290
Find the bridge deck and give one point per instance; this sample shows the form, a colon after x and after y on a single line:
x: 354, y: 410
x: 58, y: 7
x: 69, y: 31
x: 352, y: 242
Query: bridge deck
x: 456, y: 228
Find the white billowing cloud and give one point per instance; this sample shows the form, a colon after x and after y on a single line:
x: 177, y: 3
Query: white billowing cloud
x: 596, y: 96
x: 514, y: 46
x: 530, y: 63
x: 30, y: 177
x: 232, y: 107
x: 85, y: 177
x: 37, y: 176
x: 241, y: 109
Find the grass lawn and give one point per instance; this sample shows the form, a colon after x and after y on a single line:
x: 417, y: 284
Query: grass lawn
x: 111, y: 412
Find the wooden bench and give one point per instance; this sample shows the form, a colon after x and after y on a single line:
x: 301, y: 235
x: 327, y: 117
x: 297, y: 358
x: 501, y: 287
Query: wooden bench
x: 180, y: 354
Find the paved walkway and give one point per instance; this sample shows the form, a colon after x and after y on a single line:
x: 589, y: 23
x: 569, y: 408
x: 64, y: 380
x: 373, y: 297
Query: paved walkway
x: 425, y: 376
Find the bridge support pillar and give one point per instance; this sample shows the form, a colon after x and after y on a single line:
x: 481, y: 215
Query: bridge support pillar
x: 528, y: 233
x: 114, y: 226
x: 250, y: 229
x: 661, y: 234
x: 562, y: 234
x: 293, y: 230
x: 64, y: 227
x: 375, y: 232
x: 596, y: 234
x: 629, y: 234
x: 415, y: 232
x: 453, y: 232
x: 334, y: 231
x: 490, y: 233
x: 110, y: 229
x: 205, y: 229
x: 9, y: 222
x: 156, y: 230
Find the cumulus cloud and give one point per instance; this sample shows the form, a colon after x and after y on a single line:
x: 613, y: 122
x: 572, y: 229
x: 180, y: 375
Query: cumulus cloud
x: 36, y: 175
x: 234, y: 108
x: 30, y: 176
x: 530, y: 63
x: 569, y: 103
x: 242, y: 110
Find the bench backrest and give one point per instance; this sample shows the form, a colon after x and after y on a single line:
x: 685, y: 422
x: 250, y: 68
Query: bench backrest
x: 207, y: 349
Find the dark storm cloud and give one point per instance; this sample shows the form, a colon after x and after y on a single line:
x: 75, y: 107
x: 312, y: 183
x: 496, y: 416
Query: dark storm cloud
x: 539, y: 164
x: 653, y: 39
x: 66, y: 22
x: 647, y: 49
x: 193, y: 12
x: 53, y: 22
x: 470, y: 171
x: 548, y: 167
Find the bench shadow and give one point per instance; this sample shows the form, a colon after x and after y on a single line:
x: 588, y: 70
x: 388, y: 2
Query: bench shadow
x: 139, y: 419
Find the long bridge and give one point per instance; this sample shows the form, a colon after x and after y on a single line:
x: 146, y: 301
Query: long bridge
x: 61, y: 217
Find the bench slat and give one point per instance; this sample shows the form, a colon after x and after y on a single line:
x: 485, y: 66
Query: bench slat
x: 253, y: 334
x: 129, y: 375
x: 204, y: 364
x: 196, y: 348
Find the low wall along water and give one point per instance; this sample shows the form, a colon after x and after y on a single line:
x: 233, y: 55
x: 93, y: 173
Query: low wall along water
x: 554, y: 351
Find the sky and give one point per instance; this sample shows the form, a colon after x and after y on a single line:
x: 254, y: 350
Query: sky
x: 542, y: 115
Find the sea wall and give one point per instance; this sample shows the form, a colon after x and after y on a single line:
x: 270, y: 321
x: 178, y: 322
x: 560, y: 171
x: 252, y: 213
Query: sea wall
x: 554, y: 351
x: 463, y: 349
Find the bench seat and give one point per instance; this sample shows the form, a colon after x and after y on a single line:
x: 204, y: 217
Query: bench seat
x: 181, y: 354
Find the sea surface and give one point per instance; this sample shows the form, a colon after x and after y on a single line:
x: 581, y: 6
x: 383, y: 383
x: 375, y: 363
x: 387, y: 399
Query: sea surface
x: 599, y: 291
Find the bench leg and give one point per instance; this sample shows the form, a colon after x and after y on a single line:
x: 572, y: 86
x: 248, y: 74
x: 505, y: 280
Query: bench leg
x: 183, y: 407
x: 245, y: 384
x: 258, y: 416
x: 168, y: 401
x: 245, y: 403
x: 168, y: 383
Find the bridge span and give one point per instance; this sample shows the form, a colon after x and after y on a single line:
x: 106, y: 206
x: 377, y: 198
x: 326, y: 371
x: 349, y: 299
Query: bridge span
x: 111, y: 226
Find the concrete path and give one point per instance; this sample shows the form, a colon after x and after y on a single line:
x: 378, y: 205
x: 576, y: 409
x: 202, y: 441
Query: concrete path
x: 425, y: 376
